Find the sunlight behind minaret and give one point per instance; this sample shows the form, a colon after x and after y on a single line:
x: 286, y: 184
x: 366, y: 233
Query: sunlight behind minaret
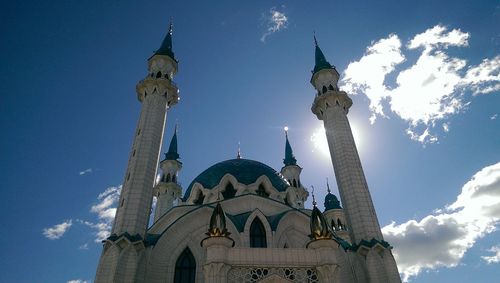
x: 320, y: 144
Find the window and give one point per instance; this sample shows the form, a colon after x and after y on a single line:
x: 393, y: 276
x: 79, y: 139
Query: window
x: 324, y: 89
x: 229, y: 192
x: 262, y: 192
x: 257, y: 234
x: 185, y: 268
x: 199, y: 200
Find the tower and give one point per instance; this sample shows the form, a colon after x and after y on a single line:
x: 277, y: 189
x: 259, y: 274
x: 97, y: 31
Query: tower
x: 296, y: 195
x: 125, y: 248
x: 332, y: 106
x: 168, y: 189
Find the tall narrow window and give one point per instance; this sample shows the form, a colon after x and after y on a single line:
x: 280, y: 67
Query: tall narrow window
x: 185, y: 268
x: 229, y: 192
x: 257, y: 234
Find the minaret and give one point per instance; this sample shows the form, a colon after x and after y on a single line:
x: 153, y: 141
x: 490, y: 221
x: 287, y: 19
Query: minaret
x: 168, y: 189
x: 157, y: 93
x: 291, y: 171
x: 332, y: 105
x: 296, y: 194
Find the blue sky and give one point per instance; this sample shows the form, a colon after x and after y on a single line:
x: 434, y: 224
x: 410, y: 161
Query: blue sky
x: 424, y: 78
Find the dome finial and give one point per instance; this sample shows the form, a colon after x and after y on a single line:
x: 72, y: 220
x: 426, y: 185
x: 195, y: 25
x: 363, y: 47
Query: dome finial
x: 327, y: 186
x: 238, y: 156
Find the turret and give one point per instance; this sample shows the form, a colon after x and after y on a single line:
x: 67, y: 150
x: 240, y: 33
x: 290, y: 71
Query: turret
x: 296, y: 194
x: 335, y: 216
x: 168, y: 190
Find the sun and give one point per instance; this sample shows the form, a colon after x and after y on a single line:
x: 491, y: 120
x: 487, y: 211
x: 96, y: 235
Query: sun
x: 320, y: 144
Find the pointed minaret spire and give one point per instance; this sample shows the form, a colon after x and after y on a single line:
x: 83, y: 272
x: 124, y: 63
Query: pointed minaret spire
x: 289, y: 158
x: 172, y: 149
x: 328, y: 186
x: 166, y: 45
x: 320, y: 60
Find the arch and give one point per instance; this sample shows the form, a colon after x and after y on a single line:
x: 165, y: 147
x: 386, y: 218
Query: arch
x: 330, y: 87
x: 185, y: 267
x: 174, y: 178
x: 294, y: 183
x: 245, y: 237
x: 339, y: 224
x: 158, y: 75
x: 261, y: 191
x: 292, y: 229
x: 257, y: 234
x: 324, y: 89
x: 229, y: 191
x: 168, y: 177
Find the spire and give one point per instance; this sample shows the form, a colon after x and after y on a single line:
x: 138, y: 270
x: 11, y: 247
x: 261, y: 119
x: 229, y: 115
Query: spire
x: 166, y: 45
x: 238, y: 155
x: 289, y: 158
x: 172, y: 149
x: 319, y: 58
x: 331, y: 201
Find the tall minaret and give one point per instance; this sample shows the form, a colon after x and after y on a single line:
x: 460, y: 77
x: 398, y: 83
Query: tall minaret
x: 332, y: 105
x: 157, y: 93
x: 168, y: 189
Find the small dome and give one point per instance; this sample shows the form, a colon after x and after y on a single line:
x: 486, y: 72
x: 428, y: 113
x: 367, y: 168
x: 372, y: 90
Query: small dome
x: 331, y: 202
x: 244, y: 170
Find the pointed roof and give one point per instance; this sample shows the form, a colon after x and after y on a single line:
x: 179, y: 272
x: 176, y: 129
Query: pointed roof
x: 319, y: 59
x: 166, y: 45
x: 289, y: 158
x: 172, y: 149
x: 331, y: 200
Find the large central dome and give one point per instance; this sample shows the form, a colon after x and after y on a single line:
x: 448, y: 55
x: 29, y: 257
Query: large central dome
x: 244, y: 170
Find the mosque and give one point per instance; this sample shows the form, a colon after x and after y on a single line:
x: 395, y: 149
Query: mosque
x: 240, y: 220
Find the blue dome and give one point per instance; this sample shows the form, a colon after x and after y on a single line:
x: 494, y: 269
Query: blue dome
x: 331, y: 202
x: 244, y: 170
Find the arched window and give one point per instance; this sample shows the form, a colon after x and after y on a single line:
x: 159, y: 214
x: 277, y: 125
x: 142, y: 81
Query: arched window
x: 330, y: 87
x: 339, y: 224
x: 185, y: 268
x: 199, y: 200
x: 294, y: 183
x: 257, y: 234
x: 324, y: 89
x: 158, y: 75
x: 229, y: 192
x: 262, y: 192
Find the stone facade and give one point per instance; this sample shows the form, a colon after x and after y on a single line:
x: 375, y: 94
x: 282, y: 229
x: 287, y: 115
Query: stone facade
x: 259, y: 230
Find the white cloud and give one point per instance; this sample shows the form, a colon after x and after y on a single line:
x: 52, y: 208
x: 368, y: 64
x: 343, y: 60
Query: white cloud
x: 84, y: 246
x: 368, y: 74
x: 57, y: 231
x: 86, y: 171
x: 430, y: 90
x: 493, y: 117
x: 275, y: 21
x: 495, y: 258
x: 105, y: 210
x: 441, y: 239
x: 77, y: 281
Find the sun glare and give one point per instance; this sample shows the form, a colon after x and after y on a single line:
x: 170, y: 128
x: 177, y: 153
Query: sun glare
x: 320, y: 144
